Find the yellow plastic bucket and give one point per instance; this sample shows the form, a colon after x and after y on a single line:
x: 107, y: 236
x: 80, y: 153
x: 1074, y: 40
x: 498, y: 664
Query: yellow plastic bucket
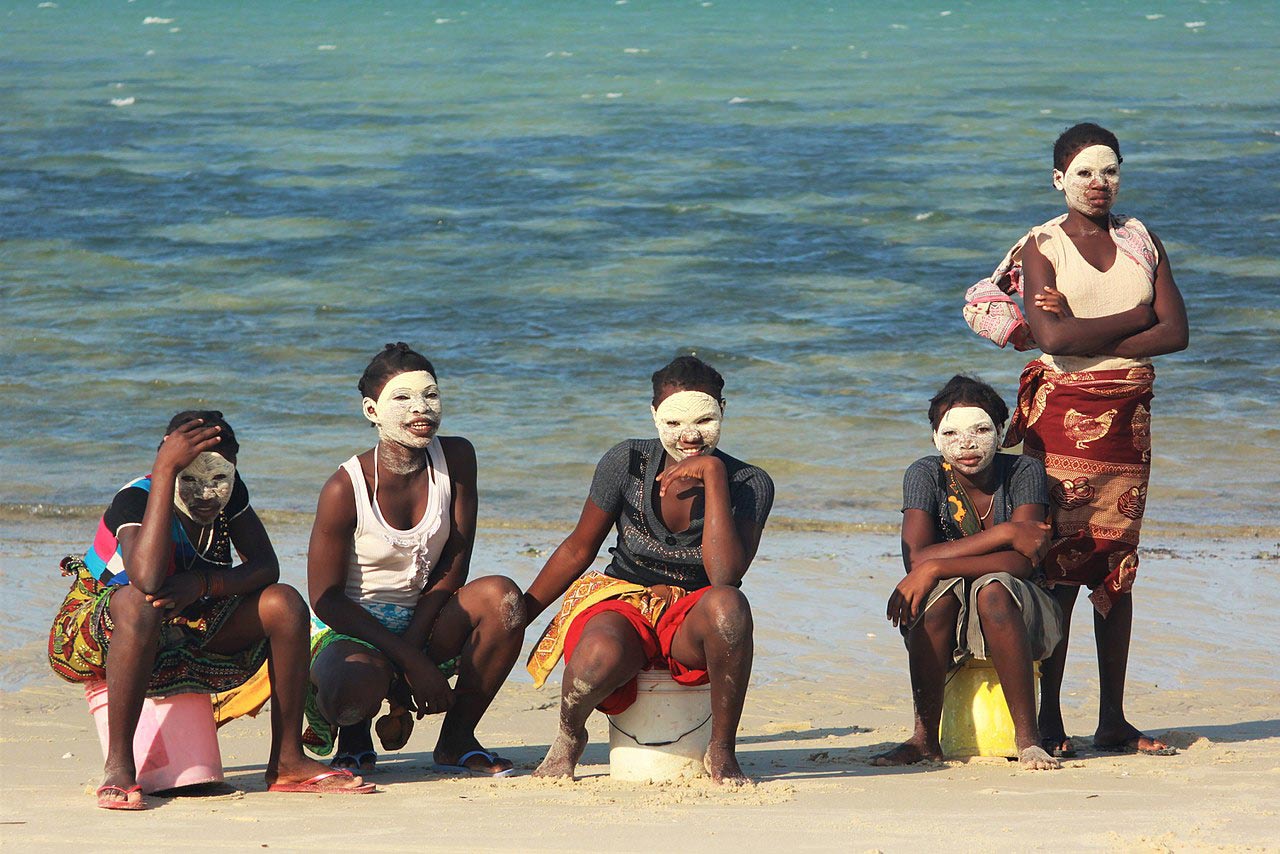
x: 975, y: 716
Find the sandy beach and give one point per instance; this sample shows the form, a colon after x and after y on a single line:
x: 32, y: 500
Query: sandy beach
x: 830, y: 690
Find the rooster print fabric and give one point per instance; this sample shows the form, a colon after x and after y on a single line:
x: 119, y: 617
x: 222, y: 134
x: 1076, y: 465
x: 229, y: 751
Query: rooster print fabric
x: 1092, y: 431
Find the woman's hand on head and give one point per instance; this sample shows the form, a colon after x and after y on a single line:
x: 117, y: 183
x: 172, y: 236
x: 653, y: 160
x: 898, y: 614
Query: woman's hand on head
x: 178, y: 591
x: 700, y: 468
x: 181, y: 447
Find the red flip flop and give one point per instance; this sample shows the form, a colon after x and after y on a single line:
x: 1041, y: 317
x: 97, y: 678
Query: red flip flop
x: 313, y: 787
x: 120, y: 798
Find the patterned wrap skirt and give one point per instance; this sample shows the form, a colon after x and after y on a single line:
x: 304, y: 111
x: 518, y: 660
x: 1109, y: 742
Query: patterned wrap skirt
x: 1092, y: 431
x: 81, y: 635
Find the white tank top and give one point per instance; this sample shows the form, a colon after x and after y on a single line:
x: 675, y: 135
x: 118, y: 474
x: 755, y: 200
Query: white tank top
x: 388, y: 565
x: 1092, y: 293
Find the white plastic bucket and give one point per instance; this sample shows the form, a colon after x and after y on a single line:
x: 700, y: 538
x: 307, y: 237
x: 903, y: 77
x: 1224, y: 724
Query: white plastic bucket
x: 176, y: 742
x: 664, y: 734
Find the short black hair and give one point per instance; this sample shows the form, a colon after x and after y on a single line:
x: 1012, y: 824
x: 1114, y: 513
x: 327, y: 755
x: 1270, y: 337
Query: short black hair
x: 228, y: 446
x: 397, y: 358
x: 1077, y: 138
x: 689, y: 373
x: 969, y: 391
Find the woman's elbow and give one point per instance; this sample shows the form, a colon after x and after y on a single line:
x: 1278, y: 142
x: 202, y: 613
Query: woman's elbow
x: 1059, y: 342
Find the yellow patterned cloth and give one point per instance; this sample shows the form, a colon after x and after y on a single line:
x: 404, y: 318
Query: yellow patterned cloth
x: 592, y: 589
x: 247, y: 699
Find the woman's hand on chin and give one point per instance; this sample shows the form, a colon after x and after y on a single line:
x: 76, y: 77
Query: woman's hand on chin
x: 700, y: 468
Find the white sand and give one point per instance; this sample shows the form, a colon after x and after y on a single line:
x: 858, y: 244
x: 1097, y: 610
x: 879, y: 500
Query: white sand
x: 825, y: 698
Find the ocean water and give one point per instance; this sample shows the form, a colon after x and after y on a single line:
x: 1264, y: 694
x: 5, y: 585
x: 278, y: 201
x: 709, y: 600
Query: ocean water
x: 234, y: 205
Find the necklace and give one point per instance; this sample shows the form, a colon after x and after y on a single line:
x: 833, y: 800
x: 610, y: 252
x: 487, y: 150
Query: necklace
x: 982, y: 517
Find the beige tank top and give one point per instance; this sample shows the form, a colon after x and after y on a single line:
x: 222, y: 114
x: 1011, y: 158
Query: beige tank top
x: 388, y: 565
x: 1092, y: 293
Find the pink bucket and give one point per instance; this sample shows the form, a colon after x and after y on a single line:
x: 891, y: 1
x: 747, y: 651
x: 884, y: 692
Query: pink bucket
x: 176, y: 743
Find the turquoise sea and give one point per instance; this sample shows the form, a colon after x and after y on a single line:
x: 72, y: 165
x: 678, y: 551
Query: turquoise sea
x: 234, y: 205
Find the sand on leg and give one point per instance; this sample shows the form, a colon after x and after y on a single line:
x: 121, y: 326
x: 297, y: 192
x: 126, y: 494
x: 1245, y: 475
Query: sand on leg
x: 717, y: 636
x: 608, y: 655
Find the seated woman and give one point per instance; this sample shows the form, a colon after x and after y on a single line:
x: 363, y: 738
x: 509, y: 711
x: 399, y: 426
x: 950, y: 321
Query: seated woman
x: 158, y: 608
x: 689, y: 519
x: 386, y: 570
x: 973, y: 536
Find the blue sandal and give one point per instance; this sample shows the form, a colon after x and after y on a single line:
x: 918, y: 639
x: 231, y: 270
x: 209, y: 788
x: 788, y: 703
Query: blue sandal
x: 462, y: 768
x: 356, y: 761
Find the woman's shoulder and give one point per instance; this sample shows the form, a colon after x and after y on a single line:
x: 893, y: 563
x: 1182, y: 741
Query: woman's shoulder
x: 1020, y: 464
x: 457, y: 450
x: 741, y: 470
x: 456, y: 444
x: 924, y: 467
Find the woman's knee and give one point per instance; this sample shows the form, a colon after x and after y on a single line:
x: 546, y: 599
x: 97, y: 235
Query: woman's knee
x: 352, y: 693
x: 995, y: 602
x: 501, y: 600
x: 282, y: 606
x: 130, y: 609
x: 729, y: 612
x: 600, y: 655
x: 941, y: 614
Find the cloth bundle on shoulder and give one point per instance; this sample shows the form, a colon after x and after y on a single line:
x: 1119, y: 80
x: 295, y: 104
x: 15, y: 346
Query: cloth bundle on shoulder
x: 992, y: 306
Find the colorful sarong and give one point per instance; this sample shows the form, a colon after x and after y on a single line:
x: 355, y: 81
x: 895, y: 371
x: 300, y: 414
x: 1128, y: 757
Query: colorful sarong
x: 81, y: 635
x: 655, y: 613
x: 1092, y: 430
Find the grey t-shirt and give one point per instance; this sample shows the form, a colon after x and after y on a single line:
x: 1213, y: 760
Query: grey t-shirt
x: 1021, y: 480
x: 647, y: 552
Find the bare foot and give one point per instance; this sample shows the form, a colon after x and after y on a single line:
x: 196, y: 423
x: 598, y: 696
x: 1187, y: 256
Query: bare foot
x: 563, y: 756
x: 1034, y: 758
x: 1129, y: 739
x: 721, y: 763
x: 1059, y: 747
x: 908, y: 753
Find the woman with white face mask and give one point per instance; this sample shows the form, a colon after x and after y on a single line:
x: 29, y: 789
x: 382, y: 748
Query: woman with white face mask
x: 387, y: 575
x: 1105, y: 303
x: 689, y: 519
x: 973, y: 536
x: 160, y: 589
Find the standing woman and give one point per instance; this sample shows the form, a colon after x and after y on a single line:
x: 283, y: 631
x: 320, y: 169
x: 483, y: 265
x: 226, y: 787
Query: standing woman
x: 1107, y: 304
x: 689, y: 519
x: 387, y: 570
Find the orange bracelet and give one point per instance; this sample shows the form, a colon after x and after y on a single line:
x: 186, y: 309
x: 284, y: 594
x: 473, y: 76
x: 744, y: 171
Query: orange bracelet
x: 217, y: 584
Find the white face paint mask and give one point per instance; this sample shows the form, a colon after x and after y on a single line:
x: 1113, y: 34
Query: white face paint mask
x: 408, y: 409
x: 1092, y: 180
x: 203, y: 488
x: 688, y: 423
x: 967, y: 438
